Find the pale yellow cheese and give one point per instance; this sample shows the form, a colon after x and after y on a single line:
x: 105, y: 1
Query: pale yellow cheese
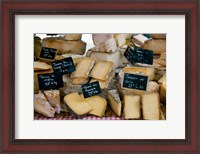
x: 131, y: 108
x: 151, y: 106
x: 72, y: 37
x: 98, y: 103
x: 101, y: 70
x: 77, y: 104
x: 83, y: 68
x: 143, y: 70
x: 78, y: 81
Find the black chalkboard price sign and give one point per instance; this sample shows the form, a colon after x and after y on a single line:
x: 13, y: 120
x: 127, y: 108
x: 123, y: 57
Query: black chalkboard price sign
x: 134, y: 81
x: 91, y: 89
x: 50, y: 81
x: 48, y: 53
x: 63, y: 66
x: 139, y: 55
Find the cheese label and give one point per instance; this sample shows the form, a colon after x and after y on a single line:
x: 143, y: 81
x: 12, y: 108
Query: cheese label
x: 134, y: 81
x: 63, y: 66
x: 50, y: 81
x: 91, y: 89
x: 47, y: 53
x: 139, y: 55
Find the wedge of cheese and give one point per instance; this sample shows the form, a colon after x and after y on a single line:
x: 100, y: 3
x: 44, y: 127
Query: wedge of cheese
x: 114, y: 101
x: 151, y: 106
x: 101, y: 38
x: 42, y: 106
x: 101, y: 70
x: 107, y: 46
x: 53, y: 96
x: 98, y: 103
x: 143, y: 70
x: 76, y: 105
x: 83, y: 68
x: 79, y: 81
x: 115, y: 57
x: 63, y: 46
x: 131, y: 108
x: 120, y: 39
x: 72, y: 37
x: 105, y: 83
x: 41, y: 66
x: 157, y: 46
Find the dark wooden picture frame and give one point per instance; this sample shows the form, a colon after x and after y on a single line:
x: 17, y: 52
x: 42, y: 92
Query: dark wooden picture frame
x: 114, y: 7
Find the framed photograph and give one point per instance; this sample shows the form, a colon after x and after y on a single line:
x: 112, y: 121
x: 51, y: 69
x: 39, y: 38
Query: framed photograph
x: 105, y: 76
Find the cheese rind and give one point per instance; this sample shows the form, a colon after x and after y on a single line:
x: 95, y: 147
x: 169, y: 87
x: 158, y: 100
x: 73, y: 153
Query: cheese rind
x: 41, y: 66
x: 63, y: 46
x: 77, y: 105
x: 144, y: 70
x: 151, y: 106
x: 107, y: 46
x: 99, y: 105
x: 101, y: 70
x: 53, y: 96
x: 115, y: 57
x: 114, y: 101
x: 131, y: 108
x: 157, y: 46
x: 100, y: 38
x: 139, y: 39
x: 83, y: 68
x: 42, y: 106
x: 72, y: 37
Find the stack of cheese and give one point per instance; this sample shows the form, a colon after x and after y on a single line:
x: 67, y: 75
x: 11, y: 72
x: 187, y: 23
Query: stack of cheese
x: 53, y: 96
x: 69, y: 43
x: 106, y: 47
x: 79, y: 106
x: 103, y: 71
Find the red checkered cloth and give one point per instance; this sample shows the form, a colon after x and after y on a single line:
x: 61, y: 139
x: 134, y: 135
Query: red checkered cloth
x: 69, y: 117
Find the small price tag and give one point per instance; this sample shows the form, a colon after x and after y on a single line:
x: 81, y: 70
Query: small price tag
x: 91, y: 89
x: 139, y: 55
x: 134, y: 81
x: 50, y: 81
x: 47, y: 53
x: 63, y: 66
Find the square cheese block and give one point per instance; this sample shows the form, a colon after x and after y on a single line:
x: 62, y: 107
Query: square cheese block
x: 143, y: 70
x: 76, y: 105
x: 151, y: 106
x: 98, y: 103
x: 157, y: 46
x: 115, y: 57
x: 114, y: 101
x: 132, y: 108
x: 105, y: 83
x: 41, y: 66
x: 101, y: 70
x: 100, y: 38
x: 79, y: 81
x: 83, y: 68
x: 107, y: 46
x: 53, y: 96
x: 42, y: 106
